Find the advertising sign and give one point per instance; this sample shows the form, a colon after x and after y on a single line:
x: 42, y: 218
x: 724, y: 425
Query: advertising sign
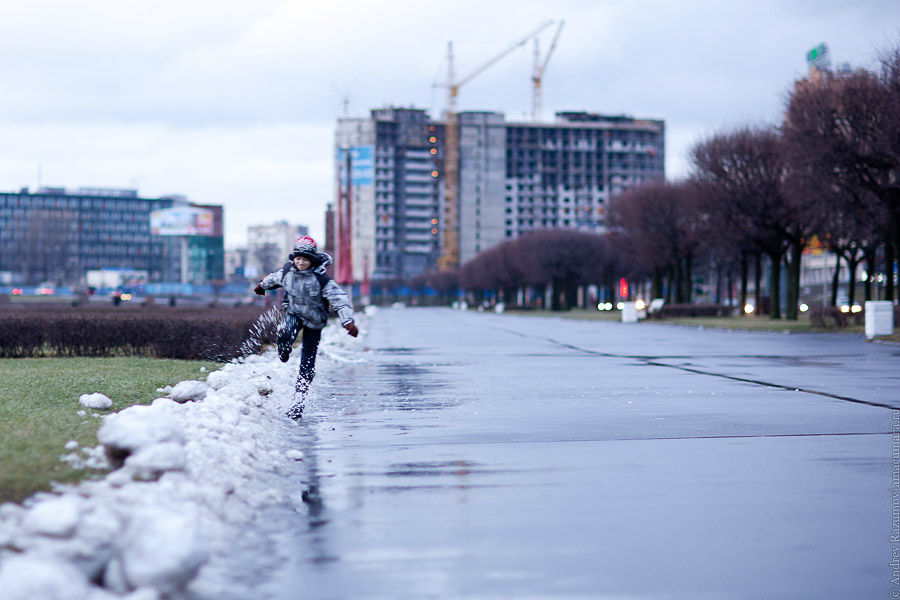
x: 362, y: 164
x: 182, y: 220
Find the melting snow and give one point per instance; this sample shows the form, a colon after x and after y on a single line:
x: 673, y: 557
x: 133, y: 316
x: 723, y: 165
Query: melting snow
x: 196, y: 473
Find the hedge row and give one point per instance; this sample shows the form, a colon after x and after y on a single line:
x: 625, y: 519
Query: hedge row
x: 197, y: 333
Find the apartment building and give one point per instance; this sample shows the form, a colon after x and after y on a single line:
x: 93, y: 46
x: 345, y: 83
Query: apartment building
x: 513, y: 177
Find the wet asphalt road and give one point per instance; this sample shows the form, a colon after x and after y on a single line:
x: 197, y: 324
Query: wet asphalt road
x: 483, y: 456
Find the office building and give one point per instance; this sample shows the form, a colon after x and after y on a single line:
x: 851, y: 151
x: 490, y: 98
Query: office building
x: 58, y: 236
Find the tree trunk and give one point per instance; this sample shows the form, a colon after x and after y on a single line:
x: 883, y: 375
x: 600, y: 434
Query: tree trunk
x: 555, y: 295
x: 775, y: 285
x: 757, y: 291
x: 689, y: 278
x: 571, y: 295
x: 718, y: 299
x: 729, y: 282
x: 657, y: 291
x: 889, y: 257
x: 870, y: 255
x: 667, y: 285
x: 745, y: 267
x: 836, y: 279
x: 679, y: 283
x: 852, y: 264
x: 793, y: 295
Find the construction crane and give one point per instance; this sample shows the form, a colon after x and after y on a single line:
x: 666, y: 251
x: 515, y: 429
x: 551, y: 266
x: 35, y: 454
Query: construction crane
x: 538, y: 76
x: 449, y: 258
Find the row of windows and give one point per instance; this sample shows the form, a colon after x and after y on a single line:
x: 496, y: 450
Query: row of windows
x: 87, y: 232
x: 529, y: 135
x: 520, y: 169
x: 102, y: 217
x: 70, y: 202
x: 581, y: 196
x: 76, y: 252
x: 575, y: 154
x: 553, y: 210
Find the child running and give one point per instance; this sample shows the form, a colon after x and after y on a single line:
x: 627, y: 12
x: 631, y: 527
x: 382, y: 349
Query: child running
x: 309, y: 291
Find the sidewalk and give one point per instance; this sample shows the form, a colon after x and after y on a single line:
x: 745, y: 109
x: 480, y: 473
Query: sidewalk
x: 496, y: 457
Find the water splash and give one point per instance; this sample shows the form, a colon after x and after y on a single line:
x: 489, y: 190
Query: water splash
x: 261, y: 332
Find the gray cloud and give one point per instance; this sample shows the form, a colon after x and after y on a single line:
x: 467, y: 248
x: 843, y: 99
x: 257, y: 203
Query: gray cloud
x: 228, y: 101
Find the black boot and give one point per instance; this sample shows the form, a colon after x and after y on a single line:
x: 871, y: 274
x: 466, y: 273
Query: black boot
x: 284, y: 353
x: 295, y: 412
x: 300, y: 392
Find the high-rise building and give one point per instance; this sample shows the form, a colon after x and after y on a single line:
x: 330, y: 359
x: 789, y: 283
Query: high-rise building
x: 58, y: 235
x: 388, y: 217
x: 512, y: 177
x: 515, y: 177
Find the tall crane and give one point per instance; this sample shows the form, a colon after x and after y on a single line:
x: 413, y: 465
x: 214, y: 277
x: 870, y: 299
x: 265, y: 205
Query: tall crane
x: 538, y: 76
x: 449, y: 258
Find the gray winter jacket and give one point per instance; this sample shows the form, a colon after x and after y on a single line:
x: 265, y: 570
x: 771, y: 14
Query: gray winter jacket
x: 305, y: 293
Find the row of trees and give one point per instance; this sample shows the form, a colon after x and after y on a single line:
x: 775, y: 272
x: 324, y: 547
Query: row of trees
x: 561, y: 260
x: 757, y: 196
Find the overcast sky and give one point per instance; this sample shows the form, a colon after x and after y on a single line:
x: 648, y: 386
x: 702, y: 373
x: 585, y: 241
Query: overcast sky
x: 234, y: 102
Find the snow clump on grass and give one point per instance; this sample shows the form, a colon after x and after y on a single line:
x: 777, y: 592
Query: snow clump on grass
x: 96, y: 400
x: 188, y: 391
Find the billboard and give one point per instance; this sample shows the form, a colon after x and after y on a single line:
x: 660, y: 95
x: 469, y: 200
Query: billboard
x: 182, y: 220
x: 362, y: 164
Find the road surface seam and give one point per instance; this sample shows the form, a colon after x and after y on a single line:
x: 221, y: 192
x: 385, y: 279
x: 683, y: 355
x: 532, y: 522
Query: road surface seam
x: 650, y: 361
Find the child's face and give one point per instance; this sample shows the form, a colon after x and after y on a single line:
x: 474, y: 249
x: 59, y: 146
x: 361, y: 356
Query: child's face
x: 302, y: 263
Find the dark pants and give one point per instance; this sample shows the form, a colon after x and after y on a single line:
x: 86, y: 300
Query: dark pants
x: 290, y: 327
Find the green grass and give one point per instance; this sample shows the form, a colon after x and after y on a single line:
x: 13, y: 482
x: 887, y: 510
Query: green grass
x: 39, y: 406
x: 575, y: 313
x: 752, y: 323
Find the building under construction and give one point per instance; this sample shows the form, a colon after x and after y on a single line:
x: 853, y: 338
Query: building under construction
x: 510, y: 178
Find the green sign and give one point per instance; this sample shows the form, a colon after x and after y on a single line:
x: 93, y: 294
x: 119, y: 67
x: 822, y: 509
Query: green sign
x: 817, y: 54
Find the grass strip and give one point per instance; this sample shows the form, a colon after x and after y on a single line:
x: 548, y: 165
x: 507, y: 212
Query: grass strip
x: 735, y: 323
x: 575, y: 313
x: 39, y: 406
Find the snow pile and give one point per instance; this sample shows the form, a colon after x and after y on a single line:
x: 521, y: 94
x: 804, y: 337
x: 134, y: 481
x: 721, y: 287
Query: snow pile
x: 159, y: 550
x: 188, y: 391
x: 94, y: 401
x: 196, y: 471
x: 43, y: 577
x: 56, y: 517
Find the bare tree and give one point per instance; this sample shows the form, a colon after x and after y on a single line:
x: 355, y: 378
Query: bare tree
x: 559, y: 259
x: 661, y: 226
x: 844, y: 129
x: 746, y: 171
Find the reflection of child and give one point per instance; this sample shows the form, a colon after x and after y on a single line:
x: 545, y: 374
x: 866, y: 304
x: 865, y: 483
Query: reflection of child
x: 307, y: 287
